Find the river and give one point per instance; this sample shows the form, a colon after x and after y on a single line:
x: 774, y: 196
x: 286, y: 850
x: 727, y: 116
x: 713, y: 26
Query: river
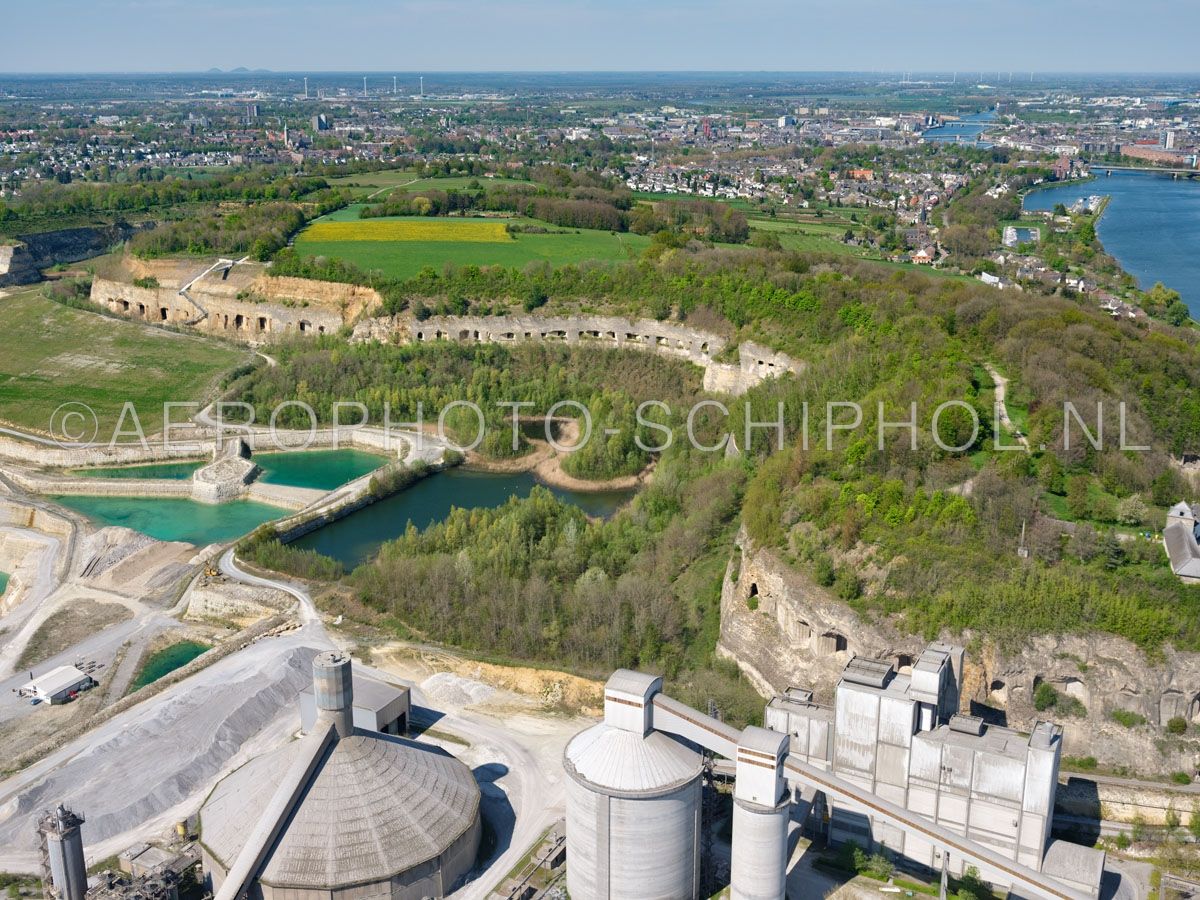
x: 963, y: 131
x: 1151, y: 225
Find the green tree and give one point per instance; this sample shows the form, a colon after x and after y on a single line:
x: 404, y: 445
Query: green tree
x: 1078, y: 500
x: 1050, y: 474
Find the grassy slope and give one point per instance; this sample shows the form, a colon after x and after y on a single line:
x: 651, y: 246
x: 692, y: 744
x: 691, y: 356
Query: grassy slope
x: 53, y: 354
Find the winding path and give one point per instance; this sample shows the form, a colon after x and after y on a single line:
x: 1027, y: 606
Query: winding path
x: 1001, y: 392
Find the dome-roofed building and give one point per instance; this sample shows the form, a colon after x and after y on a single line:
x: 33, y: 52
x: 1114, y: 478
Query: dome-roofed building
x: 341, y: 813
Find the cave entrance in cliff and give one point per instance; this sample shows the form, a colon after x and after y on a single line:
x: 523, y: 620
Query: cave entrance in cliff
x: 831, y: 642
x: 1194, y: 709
x: 163, y: 312
x: 753, y: 589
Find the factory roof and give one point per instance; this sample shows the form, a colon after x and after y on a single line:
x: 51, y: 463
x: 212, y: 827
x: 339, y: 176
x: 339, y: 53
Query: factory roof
x: 626, y: 762
x: 370, y: 693
x: 868, y: 672
x: 57, y: 680
x: 1073, y: 862
x: 763, y: 740
x: 993, y: 739
x: 627, y: 681
x: 375, y: 806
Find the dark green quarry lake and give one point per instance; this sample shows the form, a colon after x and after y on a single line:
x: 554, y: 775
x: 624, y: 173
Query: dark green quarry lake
x: 356, y: 538
x: 166, y: 661
x: 176, y: 519
x: 3, y: 583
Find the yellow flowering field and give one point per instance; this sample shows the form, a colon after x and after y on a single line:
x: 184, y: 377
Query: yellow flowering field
x: 465, y: 230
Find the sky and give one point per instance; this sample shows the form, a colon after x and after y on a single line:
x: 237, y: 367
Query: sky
x: 600, y: 35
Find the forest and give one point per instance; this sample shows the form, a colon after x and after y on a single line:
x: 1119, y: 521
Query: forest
x: 51, y: 204
x: 897, y: 528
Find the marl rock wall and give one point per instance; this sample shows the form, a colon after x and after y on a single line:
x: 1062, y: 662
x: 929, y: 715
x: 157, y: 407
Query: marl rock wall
x: 755, y: 362
x: 782, y: 629
x: 21, y: 263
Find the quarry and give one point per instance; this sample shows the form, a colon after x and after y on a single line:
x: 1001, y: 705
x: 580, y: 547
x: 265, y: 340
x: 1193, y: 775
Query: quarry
x: 295, y: 757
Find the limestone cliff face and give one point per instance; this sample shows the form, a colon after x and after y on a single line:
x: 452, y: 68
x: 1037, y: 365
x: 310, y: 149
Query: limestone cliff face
x: 783, y: 629
x: 17, y: 266
x: 22, y: 262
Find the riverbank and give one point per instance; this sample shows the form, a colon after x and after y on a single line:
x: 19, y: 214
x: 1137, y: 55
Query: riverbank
x: 546, y: 465
x: 1148, y: 223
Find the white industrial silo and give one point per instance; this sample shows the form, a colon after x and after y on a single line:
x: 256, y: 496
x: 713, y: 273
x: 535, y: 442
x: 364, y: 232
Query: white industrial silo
x: 633, y: 803
x: 758, y: 864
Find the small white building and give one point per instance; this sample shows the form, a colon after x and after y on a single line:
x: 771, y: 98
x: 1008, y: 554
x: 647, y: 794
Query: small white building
x: 59, y: 685
x: 1181, y: 542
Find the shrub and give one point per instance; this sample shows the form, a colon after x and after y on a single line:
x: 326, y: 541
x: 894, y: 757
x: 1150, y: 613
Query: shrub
x: 1082, y: 763
x: 1177, y: 725
x: 823, y: 571
x: 1128, y: 718
x: 148, y: 281
x: 1044, y: 697
x: 1181, y: 778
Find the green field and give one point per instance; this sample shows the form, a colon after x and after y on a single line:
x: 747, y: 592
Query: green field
x: 53, y: 354
x: 379, y: 184
x: 404, y: 259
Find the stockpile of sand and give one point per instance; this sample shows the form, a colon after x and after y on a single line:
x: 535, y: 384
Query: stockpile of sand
x: 446, y: 689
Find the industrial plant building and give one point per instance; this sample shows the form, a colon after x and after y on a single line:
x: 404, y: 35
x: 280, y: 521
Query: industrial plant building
x: 892, y: 761
x: 343, y: 813
x: 901, y: 738
x: 58, y: 685
x: 377, y: 707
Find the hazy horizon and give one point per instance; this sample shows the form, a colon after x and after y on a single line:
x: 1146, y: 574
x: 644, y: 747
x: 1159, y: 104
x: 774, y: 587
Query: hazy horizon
x: 547, y: 36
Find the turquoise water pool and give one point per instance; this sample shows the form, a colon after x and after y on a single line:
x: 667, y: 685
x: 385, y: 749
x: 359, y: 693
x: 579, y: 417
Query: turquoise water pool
x: 176, y: 519
x: 323, y: 469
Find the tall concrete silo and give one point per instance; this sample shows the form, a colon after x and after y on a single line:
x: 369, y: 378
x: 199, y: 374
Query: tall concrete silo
x: 633, y: 803
x: 760, y: 817
x: 62, y: 854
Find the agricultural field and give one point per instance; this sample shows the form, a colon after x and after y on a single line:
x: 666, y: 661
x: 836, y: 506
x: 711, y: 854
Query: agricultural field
x: 54, y: 354
x: 418, y: 242
x: 433, y: 229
